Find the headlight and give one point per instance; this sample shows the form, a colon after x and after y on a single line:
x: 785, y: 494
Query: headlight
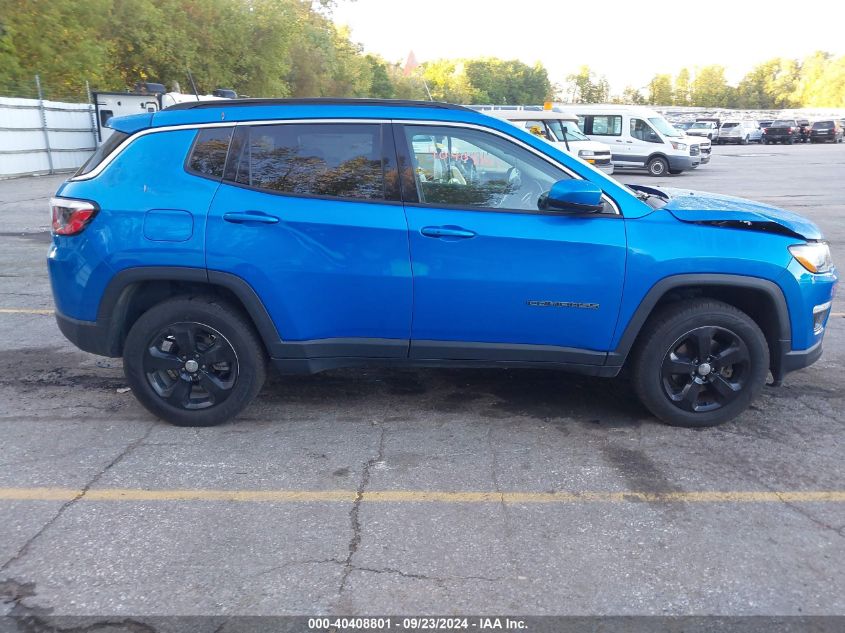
x: 814, y: 256
x: 585, y: 152
x: 680, y: 146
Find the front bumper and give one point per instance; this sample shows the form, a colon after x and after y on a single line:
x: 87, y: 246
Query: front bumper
x: 683, y: 163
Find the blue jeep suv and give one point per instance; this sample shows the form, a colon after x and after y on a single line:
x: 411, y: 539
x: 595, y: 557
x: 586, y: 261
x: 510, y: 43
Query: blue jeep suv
x: 203, y: 241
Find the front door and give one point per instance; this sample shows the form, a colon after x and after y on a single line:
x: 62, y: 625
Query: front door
x: 494, y: 277
x: 309, y: 216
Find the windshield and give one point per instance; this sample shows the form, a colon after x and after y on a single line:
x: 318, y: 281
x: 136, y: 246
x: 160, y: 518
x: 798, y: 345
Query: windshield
x: 728, y: 126
x: 823, y: 125
x: 664, y: 127
x: 783, y: 123
x: 700, y: 125
x: 572, y: 132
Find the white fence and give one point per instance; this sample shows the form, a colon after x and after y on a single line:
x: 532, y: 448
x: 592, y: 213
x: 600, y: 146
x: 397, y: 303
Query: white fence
x: 44, y: 137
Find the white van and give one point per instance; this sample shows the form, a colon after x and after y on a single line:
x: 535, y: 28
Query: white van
x: 562, y: 130
x: 639, y: 138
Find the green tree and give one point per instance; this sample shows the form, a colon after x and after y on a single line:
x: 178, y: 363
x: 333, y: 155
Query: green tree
x: 507, y: 82
x: 381, y: 87
x: 58, y: 39
x: 629, y: 96
x: 660, y: 90
x: 586, y: 87
x: 681, y: 95
x: 710, y: 88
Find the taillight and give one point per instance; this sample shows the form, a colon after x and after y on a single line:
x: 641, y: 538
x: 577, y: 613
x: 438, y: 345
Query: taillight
x: 790, y: 130
x: 70, y: 217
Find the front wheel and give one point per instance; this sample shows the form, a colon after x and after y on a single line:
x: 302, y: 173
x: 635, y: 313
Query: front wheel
x: 744, y: 141
x: 700, y: 363
x: 194, y: 361
x: 657, y: 166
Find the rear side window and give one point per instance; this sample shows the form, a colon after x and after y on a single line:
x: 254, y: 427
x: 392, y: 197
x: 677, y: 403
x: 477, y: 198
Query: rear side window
x: 339, y: 160
x: 208, y: 155
x: 102, y: 152
x: 603, y: 125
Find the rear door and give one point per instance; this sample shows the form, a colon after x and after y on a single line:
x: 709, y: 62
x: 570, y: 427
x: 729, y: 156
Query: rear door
x: 308, y: 214
x: 494, y: 277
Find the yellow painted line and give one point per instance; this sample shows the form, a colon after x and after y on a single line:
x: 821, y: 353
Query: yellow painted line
x: 420, y: 496
x: 24, y: 311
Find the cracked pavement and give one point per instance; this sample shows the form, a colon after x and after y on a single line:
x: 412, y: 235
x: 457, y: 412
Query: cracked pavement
x: 65, y: 425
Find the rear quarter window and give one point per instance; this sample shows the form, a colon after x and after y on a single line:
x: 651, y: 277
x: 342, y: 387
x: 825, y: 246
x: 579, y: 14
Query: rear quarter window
x: 102, y: 152
x: 208, y: 153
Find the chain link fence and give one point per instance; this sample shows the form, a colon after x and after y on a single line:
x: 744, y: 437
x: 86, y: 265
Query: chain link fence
x: 43, y: 129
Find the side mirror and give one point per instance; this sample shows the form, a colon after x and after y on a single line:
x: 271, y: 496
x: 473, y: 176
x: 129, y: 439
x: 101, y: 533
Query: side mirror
x: 571, y: 196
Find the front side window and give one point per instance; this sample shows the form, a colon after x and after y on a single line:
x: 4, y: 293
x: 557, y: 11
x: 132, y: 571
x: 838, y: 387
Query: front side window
x: 644, y: 132
x: 537, y: 128
x: 208, y: 155
x: 563, y: 129
x: 342, y: 160
x: 461, y: 167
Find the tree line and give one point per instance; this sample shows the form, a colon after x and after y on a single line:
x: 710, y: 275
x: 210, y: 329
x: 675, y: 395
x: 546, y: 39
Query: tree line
x: 816, y: 81
x: 260, y: 48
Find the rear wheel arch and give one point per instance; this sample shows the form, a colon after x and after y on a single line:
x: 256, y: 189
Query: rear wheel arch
x: 760, y: 299
x: 135, y: 290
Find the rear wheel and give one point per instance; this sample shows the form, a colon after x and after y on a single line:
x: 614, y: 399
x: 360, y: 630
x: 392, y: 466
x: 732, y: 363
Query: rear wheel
x: 657, y: 166
x: 675, y: 172
x: 194, y: 361
x: 744, y: 141
x: 700, y: 363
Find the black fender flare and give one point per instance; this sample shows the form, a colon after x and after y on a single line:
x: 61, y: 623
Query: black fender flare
x: 117, y: 295
x: 658, y: 290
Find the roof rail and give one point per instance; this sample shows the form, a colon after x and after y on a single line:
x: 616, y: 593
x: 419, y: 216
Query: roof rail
x: 220, y: 103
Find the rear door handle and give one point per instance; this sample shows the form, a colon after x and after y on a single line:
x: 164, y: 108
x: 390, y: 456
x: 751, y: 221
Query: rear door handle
x: 241, y: 217
x: 446, y: 231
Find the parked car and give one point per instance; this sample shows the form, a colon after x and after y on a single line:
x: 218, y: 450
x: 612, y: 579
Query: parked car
x: 321, y: 233
x: 707, y: 129
x: 557, y: 127
x: 782, y: 131
x: 740, y: 132
x: 639, y: 138
x: 828, y: 130
x: 805, y: 127
x: 683, y: 125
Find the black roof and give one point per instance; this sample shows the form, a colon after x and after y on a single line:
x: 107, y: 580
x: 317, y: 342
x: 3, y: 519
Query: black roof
x: 195, y: 105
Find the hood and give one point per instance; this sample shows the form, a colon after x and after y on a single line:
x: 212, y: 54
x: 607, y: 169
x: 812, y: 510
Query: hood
x: 728, y: 211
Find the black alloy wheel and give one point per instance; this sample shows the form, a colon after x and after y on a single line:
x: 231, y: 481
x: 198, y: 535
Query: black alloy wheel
x: 191, y: 365
x: 194, y: 360
x: 705, y: 369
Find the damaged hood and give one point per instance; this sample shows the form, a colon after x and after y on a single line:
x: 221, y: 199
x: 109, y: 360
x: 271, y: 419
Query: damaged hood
x: 731, y: 212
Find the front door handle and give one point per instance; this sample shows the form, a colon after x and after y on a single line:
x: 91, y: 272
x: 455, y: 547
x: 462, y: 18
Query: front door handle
x: 241, y: 217
x: 446, y: 231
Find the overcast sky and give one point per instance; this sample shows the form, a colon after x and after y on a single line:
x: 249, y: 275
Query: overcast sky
x: 628, y: 41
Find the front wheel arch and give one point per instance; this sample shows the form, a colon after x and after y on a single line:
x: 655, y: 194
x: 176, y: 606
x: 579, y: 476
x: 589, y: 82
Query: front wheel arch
x: 761, y: 299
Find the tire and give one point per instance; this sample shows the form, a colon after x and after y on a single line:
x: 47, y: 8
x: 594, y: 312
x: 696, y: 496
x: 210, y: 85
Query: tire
x: 790, y: 141
x: 764, y: 141
x: 657, y: 166
x: 743, y: 141
x: 228, y: 369
x: 675, y: 172
x: 709, y: 394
